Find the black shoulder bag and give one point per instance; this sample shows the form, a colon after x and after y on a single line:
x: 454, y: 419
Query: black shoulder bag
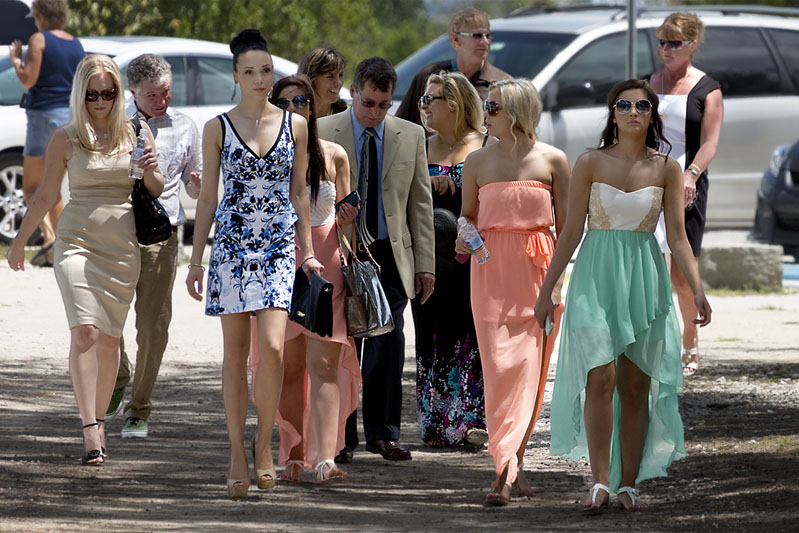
x: 152, y: 222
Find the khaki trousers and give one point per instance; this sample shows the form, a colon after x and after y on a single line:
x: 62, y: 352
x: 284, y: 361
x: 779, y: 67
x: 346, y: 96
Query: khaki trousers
x: 159, y: 263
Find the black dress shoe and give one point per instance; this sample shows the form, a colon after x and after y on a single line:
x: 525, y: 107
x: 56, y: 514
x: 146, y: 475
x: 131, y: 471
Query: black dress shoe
x: 389, y: 449
x: 344, y: 456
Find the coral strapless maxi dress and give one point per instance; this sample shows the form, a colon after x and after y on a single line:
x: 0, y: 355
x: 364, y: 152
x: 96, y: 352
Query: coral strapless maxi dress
x: 619, y: 302
x: 515, y: 218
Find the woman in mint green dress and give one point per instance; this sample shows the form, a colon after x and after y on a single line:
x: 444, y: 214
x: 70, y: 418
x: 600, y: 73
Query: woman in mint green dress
x: 618, y: 371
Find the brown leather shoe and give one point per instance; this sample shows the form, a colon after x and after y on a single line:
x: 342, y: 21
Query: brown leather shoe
x: 389, y: 449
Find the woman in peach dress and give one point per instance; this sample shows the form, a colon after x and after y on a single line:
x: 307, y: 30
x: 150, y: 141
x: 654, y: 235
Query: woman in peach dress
x: 515, y: 190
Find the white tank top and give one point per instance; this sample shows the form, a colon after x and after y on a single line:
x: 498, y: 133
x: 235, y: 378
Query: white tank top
x: 323, y: 210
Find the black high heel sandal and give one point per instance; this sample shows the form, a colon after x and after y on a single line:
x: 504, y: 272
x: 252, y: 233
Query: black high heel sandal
x: 102, y: 448
x: 93, y: 457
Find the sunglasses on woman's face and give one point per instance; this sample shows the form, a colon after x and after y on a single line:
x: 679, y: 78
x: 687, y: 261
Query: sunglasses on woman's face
x: 298, y: 101
x: 643, y: 107
x: 107, y: 95
x: 673, y: 45
x: 428, y: 99
x: 491, y: 107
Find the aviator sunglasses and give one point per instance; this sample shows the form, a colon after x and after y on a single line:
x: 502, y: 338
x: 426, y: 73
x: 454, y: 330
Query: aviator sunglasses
x: 643, y: 107
x: 428, y: 99
x: 673, y: 45
x: 491, y: 107
x: 299, y: 102
x: 107, y: 95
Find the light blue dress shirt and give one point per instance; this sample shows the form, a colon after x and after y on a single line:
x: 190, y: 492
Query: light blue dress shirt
x: 358, y: 130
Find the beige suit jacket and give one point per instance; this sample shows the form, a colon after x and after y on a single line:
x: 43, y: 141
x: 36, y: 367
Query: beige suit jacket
x: 407, y: 198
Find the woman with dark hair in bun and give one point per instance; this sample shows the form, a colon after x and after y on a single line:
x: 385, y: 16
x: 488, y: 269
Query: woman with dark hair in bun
x: 262, y: 151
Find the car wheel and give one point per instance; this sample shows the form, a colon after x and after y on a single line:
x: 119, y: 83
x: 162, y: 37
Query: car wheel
x: 12, y: 206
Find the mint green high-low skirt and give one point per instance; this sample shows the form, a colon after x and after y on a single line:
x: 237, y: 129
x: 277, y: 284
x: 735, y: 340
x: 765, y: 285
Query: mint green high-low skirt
x: 619, y: 302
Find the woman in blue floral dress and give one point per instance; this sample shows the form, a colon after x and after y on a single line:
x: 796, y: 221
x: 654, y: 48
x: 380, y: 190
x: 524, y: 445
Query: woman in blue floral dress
x: 449, y: 377
x: 262, y: 153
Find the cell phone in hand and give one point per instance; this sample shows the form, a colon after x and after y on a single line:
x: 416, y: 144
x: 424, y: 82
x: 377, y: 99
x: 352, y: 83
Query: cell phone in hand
x: 352, y: 198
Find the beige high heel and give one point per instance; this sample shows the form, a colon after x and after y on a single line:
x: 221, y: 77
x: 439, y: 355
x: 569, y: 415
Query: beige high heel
x: 237, y: 488
x: 265, y: 478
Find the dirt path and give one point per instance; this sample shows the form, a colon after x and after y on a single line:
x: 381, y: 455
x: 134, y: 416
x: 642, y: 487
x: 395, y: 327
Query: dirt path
x: 740, y: 414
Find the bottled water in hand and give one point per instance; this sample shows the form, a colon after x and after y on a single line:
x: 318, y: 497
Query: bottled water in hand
x: 470, y: 234
x: 134, y: 171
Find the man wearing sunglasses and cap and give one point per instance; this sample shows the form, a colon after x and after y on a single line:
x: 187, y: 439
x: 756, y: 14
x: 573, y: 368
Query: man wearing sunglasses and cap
x: 470, y: 37
x: 180, y: 159
x: 388, y: 168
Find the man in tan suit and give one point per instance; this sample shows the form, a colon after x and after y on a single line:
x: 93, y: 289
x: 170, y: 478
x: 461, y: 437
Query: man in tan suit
x: 388, y: 167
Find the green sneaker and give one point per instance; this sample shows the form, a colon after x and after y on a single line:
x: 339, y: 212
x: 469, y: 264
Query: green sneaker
x: 134, y: 428
x: 115, y: 406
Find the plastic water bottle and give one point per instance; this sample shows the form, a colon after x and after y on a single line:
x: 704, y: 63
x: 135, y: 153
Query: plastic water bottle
x: 134, y: 171
x: 473, y: 239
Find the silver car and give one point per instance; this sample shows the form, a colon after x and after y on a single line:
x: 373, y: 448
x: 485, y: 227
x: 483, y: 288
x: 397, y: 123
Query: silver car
x: 574, y: 57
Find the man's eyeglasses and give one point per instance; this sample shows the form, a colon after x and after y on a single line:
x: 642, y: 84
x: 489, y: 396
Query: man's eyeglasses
x: 476, y: 35
x: 369, y: 104
x: 299, y: 102
x: 673, y: 45
x: 643, y: 107
x: 107, y: 95
x: 491, y: 107
x: 428, y: 99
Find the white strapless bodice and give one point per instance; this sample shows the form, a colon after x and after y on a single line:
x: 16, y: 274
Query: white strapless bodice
x: 323, y: 210
x: 611, y: 208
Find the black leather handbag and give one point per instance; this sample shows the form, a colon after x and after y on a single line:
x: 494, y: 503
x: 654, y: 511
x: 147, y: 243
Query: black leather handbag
x: 312, y: 303
x: 152, y: 222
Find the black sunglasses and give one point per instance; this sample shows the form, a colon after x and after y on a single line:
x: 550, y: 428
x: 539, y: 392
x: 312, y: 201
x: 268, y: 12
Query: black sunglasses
x: 643, y: 107
x: 428, y: 99
x: 491, y: 107
x: 673, y: 45
x: 299, y: 102
x: 477, y: 35
x: 107, y: 95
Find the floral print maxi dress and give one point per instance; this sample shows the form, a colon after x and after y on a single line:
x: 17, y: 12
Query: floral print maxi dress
x: 449, y: 378
x: 252, y: 259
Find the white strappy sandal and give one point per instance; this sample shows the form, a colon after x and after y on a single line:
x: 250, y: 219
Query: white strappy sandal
x: 331, y: 475
x: 633, y: 494
x: 691, y: 367
x: 594, y: 491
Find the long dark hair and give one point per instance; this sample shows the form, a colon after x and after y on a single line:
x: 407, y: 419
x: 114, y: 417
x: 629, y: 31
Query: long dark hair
x: 316, y: 159
x: 654, y: 135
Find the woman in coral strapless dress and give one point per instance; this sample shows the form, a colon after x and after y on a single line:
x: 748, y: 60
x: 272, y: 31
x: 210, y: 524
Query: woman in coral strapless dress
x: 618, y: 375
x: 509, y: 189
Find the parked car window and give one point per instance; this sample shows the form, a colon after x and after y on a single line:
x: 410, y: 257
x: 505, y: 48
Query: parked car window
x: 787, y: 42
x: 521, y: 54
x: 215, y: 84
x: 179, y: 88
x: 11, y: 89
x: 740, y: 61
x: 600, y: 66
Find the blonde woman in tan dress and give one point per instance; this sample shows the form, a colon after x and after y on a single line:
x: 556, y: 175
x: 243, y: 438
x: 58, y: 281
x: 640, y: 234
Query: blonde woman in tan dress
x: 96, y: 252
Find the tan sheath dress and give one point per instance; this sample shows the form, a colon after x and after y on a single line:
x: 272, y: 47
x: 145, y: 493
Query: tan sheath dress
x: 96, y: 251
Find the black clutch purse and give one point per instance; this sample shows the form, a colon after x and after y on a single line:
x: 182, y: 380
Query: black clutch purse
x: 152, y: 222
x: 312, y: 303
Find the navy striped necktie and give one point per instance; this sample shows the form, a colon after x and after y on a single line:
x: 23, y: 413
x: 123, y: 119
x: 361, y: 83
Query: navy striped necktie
x: 368, y: 183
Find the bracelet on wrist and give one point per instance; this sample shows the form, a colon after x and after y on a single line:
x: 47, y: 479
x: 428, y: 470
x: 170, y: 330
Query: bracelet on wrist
x: 695, y: 170
x: 197, y: 266
x: 306, y: 259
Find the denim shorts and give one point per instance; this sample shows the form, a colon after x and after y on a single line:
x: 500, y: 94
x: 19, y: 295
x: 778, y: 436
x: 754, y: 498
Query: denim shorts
x: 41, y: 125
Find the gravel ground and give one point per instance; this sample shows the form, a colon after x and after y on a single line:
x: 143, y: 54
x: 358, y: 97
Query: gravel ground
x: 740, y: 414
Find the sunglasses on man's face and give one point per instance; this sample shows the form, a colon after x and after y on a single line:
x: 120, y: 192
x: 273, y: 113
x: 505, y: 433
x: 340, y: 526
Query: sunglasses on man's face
x: 369, y: 104
x: 298, y: 101
x: 673, y: 45
x: 107, y: 95
x: 643, y: 107
x: 491, y: 107
x: 428, y: 99
x: 477, y: 36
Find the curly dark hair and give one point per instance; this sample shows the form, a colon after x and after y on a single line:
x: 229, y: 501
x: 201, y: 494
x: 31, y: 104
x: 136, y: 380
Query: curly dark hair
x: 316, y: 159
x: 654, y: 135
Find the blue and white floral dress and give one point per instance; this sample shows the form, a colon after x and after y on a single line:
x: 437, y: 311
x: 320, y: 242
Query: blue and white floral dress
x: 252, y: 259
